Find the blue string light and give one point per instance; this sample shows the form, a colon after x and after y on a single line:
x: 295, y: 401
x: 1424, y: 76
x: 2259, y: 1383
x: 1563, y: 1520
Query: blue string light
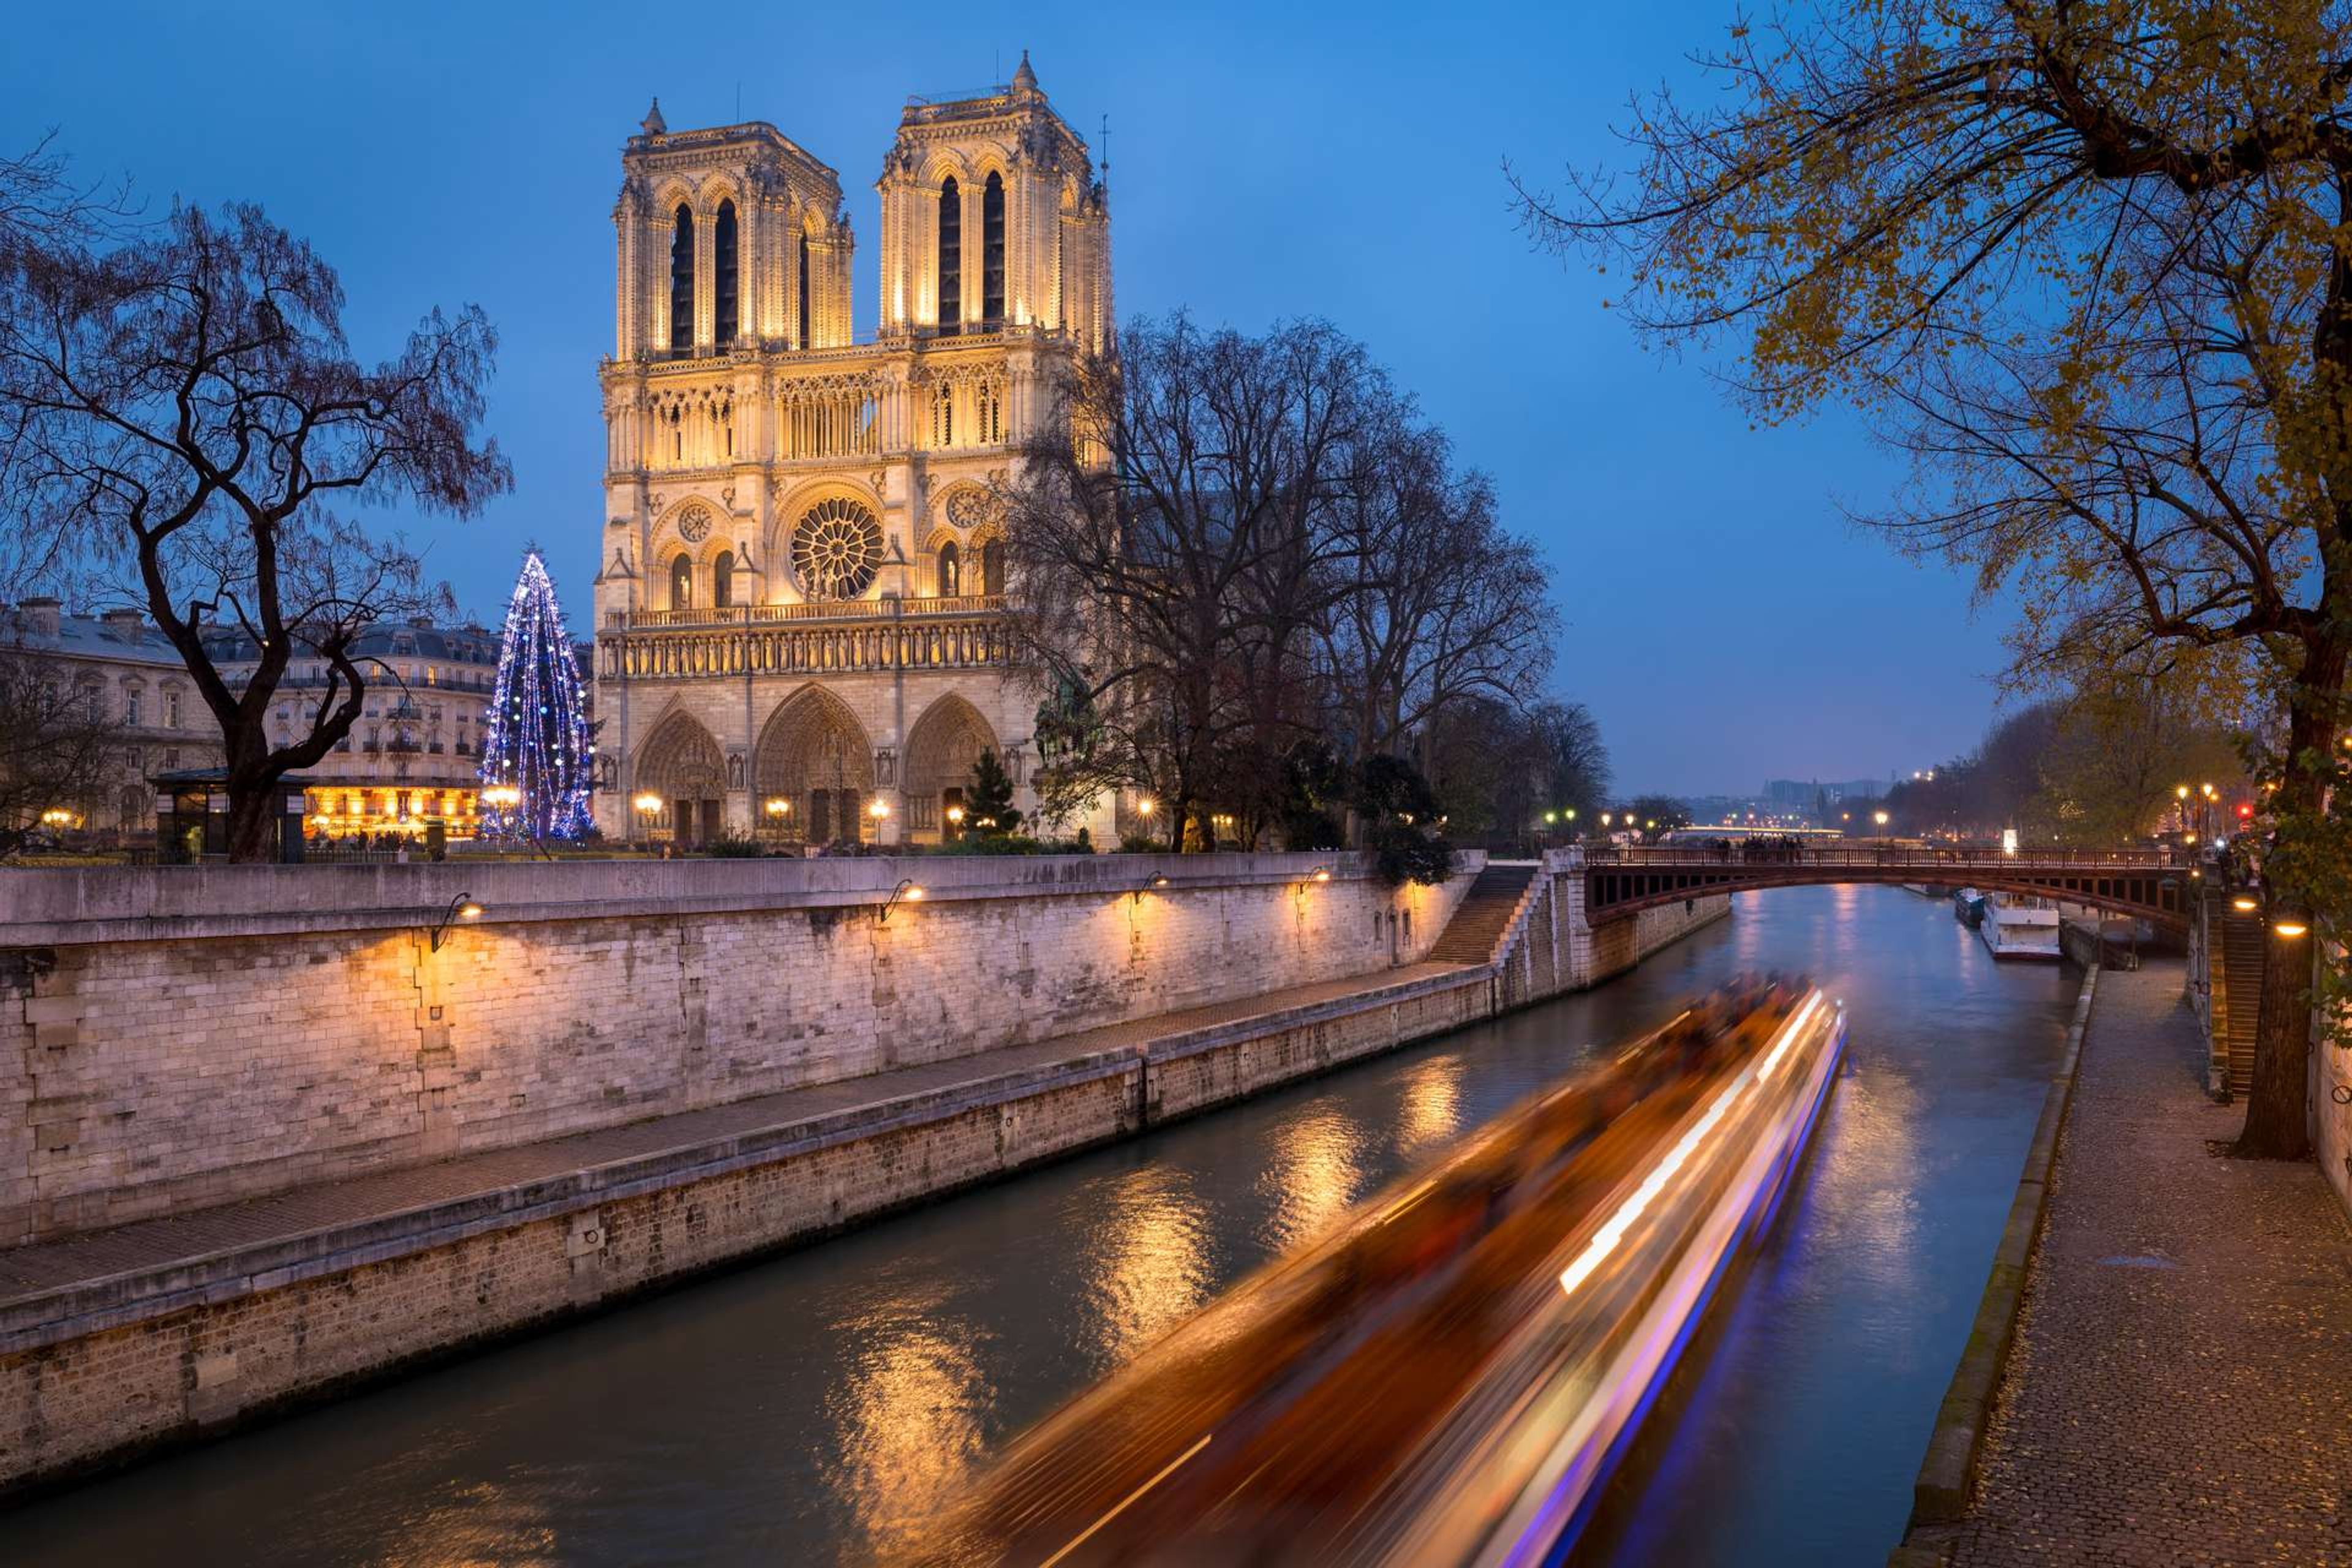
x: 547, y: 757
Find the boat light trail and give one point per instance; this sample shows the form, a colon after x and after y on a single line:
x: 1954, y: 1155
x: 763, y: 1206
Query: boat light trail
x: 1604, y: 1240
x: 1166, y: 1470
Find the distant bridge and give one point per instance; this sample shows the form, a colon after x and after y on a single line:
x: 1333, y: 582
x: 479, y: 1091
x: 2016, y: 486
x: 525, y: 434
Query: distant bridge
x: 2154, y: 884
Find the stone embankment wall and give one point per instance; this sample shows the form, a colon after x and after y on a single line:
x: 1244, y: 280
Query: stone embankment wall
x: 176, y: 1037
x: 105, y: 1368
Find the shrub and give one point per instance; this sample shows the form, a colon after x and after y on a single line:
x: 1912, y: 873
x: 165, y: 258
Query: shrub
x: 736, y: 846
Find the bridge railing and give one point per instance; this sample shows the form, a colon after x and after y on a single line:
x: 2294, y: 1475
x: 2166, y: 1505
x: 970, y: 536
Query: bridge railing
x: 1923, y: 858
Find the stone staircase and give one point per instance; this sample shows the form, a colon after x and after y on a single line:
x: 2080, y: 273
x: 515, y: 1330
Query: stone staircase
x: 2241, y: 996
x: 1483, y: 915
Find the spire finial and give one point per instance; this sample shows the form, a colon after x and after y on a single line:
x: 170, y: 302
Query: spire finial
x: 1024, y: 78
x: 653, y: 122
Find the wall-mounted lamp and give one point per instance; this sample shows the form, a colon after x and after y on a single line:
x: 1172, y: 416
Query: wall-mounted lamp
x: 2289, y: 929
x: 461, y: 907
x: 1150, y: 884
x: 2243, y: 905
x: 905, y: 892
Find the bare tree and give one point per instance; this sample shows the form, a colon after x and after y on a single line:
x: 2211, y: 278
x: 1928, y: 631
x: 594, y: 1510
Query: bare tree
x: 1169, y: 541
x: 56, y: 752
x: 179, y: 402
x: 1439, y: 604
x: 1237, y: 546
x: 2085, y: 263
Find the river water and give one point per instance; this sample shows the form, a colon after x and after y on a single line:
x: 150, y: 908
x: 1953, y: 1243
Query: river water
x: 807, y: 1409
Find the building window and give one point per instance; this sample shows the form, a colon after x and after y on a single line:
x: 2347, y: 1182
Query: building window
x: 989, y: 398
x: 681, y: 582
x: 991, y: 252
x: 681, y: 279
x: 943, y: 415
x: 722, y: 580
x: 992, y: 567
x: 131, y: 708
x: 722, y: 239
x: 804, y: 293
x: 951, y: 256
x: 950, y: 570
x: 170, y: 710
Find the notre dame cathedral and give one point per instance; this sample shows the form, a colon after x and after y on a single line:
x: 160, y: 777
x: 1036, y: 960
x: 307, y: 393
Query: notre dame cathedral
x: 800, y: 627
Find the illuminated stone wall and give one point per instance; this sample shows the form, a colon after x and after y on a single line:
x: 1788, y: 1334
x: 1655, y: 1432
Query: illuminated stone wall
x: 191, y: 1037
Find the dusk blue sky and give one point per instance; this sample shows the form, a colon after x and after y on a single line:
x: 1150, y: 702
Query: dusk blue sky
x: 1721, y: 619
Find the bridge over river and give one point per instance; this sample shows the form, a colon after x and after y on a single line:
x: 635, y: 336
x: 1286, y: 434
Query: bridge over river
x: 2153, y: 884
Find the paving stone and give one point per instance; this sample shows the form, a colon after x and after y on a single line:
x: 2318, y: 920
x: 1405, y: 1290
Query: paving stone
x: 2181, y: 1390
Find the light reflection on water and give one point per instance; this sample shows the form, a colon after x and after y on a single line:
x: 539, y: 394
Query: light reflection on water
x: 1316, y: 1175
x: 802, y: 1410
x: 1152, y: 1262
x: 909, y: 1409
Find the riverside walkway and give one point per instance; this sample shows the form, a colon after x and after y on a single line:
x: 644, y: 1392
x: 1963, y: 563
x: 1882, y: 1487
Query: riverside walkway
x: 2181, y: 1386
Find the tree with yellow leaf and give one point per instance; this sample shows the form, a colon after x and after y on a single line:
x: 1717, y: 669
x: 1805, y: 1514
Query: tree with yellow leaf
x: 2089, y: 264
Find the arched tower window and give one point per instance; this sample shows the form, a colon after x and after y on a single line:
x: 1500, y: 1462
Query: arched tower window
x: 804, y: 291
x: 681, y: 582
x: 722, y: 580
x: 950, y: 570
x: 992, y: 251
x: 681, y: 279
x: 992, y: 567
x: 951, y: 256
x: 722, y: 242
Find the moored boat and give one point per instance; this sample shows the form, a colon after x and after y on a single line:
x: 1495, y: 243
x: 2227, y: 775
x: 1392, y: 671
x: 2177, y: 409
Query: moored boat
x: 1969, y: 905
x: 2018, y: 927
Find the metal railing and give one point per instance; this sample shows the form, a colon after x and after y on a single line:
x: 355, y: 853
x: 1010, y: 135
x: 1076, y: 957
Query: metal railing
x: 1866, y: 853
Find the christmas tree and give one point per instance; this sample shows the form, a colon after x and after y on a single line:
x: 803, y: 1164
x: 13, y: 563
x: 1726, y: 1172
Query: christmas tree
x: 537, y: 758
x: 988, y: 798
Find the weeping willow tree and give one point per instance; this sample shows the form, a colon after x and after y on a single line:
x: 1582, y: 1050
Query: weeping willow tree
x: 2089, y: 266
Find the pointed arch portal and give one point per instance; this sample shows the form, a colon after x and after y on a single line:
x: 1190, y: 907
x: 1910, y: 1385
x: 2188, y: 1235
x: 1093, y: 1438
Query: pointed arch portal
x: 814, y: 757
x: 681, y: 762
x: 941, y: 750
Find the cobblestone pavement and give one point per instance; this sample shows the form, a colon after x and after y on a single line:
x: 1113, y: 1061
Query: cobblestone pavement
x: 2181, y: 1390
x: 150, y: 1244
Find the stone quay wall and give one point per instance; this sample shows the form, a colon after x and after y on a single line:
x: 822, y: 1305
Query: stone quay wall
x: 103, y: 1370
x: 173, y: 1036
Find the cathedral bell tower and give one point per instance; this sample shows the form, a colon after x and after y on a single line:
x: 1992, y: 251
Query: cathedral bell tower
x: 992, y: 217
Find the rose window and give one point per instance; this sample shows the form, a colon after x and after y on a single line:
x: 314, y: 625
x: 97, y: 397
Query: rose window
x: 836, y: 550
x: 968, y: 508
x: 694, y: 524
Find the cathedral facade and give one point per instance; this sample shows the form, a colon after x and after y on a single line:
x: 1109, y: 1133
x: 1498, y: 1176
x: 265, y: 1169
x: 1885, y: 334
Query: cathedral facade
x: 800, y: 607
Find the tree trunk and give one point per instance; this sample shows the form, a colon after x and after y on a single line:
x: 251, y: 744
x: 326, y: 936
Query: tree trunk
x: 252, y: 823
x: 2277, y: 1121
x: 2277, y: 1117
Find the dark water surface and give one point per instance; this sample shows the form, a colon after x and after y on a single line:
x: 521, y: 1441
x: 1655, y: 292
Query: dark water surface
x: 798, y: 1411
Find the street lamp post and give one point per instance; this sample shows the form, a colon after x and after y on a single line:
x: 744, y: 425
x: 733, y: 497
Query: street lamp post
x: 648, y: 806
x: 1880, y: 818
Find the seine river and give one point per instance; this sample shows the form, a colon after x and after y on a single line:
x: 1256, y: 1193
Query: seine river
x: 804, y: 1410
